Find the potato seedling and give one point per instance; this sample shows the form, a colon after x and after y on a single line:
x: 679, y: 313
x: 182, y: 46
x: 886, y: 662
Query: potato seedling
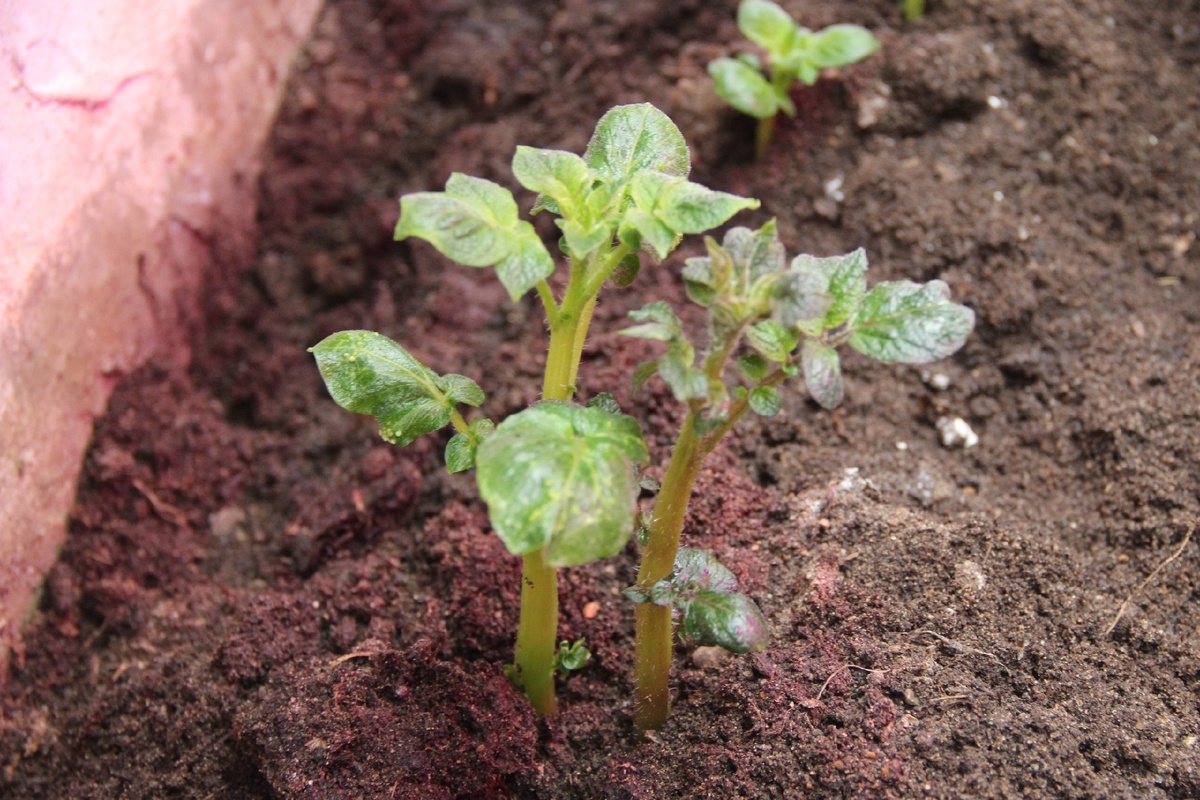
x: 793, y: 315
x: 559, y: 479
x: 793, y: 54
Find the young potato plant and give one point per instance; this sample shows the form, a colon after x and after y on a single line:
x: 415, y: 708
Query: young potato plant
x: 559, y: 479
x: 793, y: 54
x: 793, y: 316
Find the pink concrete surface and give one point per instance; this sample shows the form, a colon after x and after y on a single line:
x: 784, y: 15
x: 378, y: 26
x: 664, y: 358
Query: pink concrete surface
x: 129, y: 141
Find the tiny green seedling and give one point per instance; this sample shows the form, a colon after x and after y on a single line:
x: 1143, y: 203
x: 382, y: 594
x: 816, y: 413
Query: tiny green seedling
x: 793, y: 54
x: 793, y: 316
x: 913, y: 10
x: 560, y: 479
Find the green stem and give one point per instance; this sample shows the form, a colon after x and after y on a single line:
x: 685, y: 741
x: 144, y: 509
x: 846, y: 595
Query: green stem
x: 652, y: 664
x: 762, y: 136
x: 533, y: 661
x: 533, y: 664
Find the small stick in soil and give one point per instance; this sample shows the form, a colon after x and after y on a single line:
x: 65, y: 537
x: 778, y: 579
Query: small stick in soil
x: 843, y: 668
x: 1112, y: 626
x: 165, y: 510
x: 959, y: 645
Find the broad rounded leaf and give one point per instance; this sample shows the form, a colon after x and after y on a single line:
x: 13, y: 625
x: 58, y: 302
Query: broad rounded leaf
x: 767, y: 25
x: 910, y: 323
x: 840, y: 45
x: 632, y: 138
x: 754, y: 367
x: 764, y: 401
x: 822, y: 373
x: 744, y: 88
x: 732, y: 621
x: 370, y: 374
x: 688, y: 207
x: 460, y: 453
x: 560, y: 476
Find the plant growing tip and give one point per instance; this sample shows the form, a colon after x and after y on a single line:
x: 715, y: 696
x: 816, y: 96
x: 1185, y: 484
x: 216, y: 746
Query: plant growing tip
x: 793, y: 54
x: 560, y: 480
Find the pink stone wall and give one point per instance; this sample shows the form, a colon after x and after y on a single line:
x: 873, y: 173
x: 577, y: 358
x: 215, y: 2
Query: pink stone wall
x: 129, y: 141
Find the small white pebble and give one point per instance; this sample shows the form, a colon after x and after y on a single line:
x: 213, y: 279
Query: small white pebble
x: 995, y: 102
x: 955, y: 432
x: 901, y: 445
x: 833, y: 189
x: 1152, y: 139
x: 998, y: 196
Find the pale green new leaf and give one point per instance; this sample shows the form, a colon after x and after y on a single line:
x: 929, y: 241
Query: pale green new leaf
x: 560, y: 476
x: 688, y: 207
x: 841, y: 45
x: 370, y: 374
x: 557, y: 174
x: 755, y: 253
x: 822, y: 373
x: 744, y: 87
x: 767, y: 25
x: 651, y: 234
x: 838, y: 281
x: 474, y: 222
x: 909, y: 323
x: 632, y: 138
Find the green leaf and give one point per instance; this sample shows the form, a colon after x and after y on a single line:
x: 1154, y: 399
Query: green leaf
x: 461, y: 449
x: 772, y: 340
x: 684, y: 380
x: 835, y: 285
x: 840, y: 45
x: 474, y: 222
x: 698, y: 281
x: 644, y: 372
x: 571, y: 656
x: 744, y: 87
x: 461, y: 389
x: 605, y: 402
x: 370, y: 374
x: 756, y: 254
x: 652, y: 235
x: 732, y: 621
x: 557, y: 174
x: 632, y: 138
x: 764, y: 401
x: 909, y: 323
x: 560, y: 476
x: 688, y: 207
x: 767, y: 25
x: 822, y: 373
x: 754, y: 367
x: 582, y: 239
x: 661, y: 323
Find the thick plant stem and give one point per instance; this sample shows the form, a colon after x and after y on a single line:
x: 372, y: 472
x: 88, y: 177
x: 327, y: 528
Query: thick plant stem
x: 534, y: 660
x: 652, y: 665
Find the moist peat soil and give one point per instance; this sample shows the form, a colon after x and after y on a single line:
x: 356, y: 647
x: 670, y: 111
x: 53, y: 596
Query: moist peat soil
x: 260, y: 599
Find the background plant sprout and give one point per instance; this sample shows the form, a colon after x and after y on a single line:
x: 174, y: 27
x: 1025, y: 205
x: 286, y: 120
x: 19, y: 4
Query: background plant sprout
x: 793, y: 316
x: 913, y: 10
x: 793, y: 54
x: 558, y: 478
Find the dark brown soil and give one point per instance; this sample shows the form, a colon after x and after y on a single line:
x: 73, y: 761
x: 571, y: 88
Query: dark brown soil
x: 259, y: 599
